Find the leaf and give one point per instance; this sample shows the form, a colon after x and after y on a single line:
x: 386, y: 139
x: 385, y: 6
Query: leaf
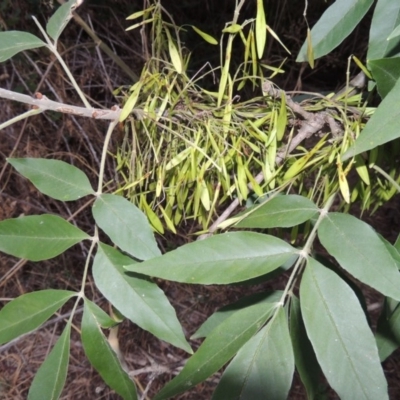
x: 60, y: 19
x: 340, y: 335
x: 385, y: 339
x: 103, y: 358
x: 126, y: 226
x: 218, y: 348
x: 305, y: 359
x: 54, y: 178
x: 394, y: 323
x: 386, y: 72
x: 29, y: 311
x: 13, y: 42
x: 360, y: 251
x: 225, y: 312
x: 337, y: 22
x: 280, y: 211
x: 50, y: 378
x: 261, y: 29
x: 382, y: 126
x: 263, y: 367
x: 102, y: 318
x: 395, y: 33
x: 392, y: 250
x: 208, y: 38
x: 38, y: 237
x: 220, y: 259
x: 385, y: 18
x: 137, y: 298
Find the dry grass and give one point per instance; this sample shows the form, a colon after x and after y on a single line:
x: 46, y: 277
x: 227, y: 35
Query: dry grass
x: 79, y: 142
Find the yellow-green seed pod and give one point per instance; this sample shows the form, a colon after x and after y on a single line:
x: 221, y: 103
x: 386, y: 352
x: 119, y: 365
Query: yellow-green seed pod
x: 362, y: 169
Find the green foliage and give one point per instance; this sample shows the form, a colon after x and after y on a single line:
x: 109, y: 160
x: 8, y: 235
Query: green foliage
x: 152, y: 310
x: 323, y: 331
x: 54, y: 178
x: 340, y: 335
x: 337, y: 22
x: 102, y: 356
x: 38, y: 237
x: 50, y: 378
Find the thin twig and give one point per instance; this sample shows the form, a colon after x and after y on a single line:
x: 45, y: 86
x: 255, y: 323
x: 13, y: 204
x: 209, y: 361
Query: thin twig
x: 41, y: 102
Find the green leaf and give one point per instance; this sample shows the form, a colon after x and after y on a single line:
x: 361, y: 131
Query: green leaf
x: 337, y: 22
x: 382, y: 126
x: 264, y: 366
x: 103, y: 358
x: 385, y: 339
x: 392, y: 250
x: 225, y: 312
x: 50, y: 378
x: 221, y: 259
x: 395, y: 33
x: 360, y: 251
x: 386, y: 17
x: 218, y: 348
x: 305, y: 359
x: 126, y: 225
x: 340, y: 335
x: 29, y: 311
x: 54, y: 178
x: 38, y: 237
x: 280, y: 211
x: 102, y: 318
x: 60, y: 19
x: 386, y: 72
x: 136, y: 297
x: 13, y: 42
x: 394, y: 322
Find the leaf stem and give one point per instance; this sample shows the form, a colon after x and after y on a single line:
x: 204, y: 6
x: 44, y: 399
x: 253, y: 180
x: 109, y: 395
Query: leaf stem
x: 304, y: 253
x: 110, y: 129
x: 20, y: 117
x: 95, y: 240
x: 52, y: 47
